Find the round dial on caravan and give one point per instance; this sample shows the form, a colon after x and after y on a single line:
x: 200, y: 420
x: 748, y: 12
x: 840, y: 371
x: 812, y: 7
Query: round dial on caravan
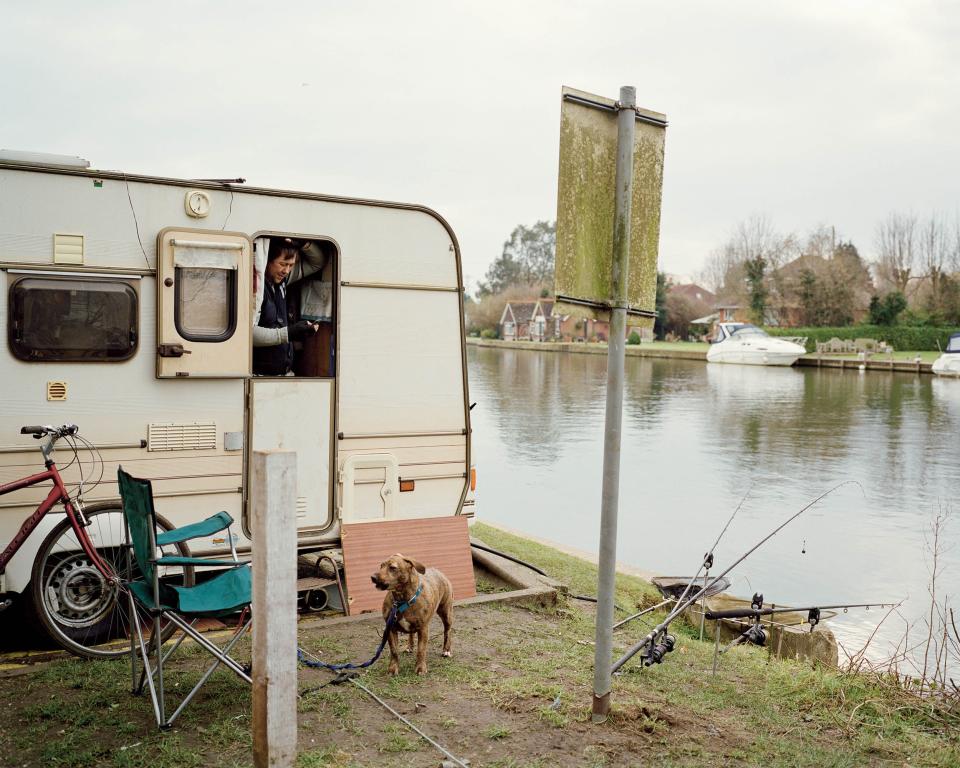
x: 197, y: 204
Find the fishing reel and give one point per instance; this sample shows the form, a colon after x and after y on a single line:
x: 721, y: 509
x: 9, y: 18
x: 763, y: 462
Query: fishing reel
x: 656, y: 652
x: 756, y: 635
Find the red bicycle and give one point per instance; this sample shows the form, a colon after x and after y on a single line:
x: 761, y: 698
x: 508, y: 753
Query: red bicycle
x: 78, y: 577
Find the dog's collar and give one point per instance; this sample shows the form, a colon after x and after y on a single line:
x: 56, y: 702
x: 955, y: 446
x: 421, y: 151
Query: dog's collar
x: 401, y: 607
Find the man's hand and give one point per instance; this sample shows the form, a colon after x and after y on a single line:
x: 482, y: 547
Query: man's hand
x: 301, y: 330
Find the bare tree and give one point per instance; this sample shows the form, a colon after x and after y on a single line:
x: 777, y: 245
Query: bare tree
x: 934, y: 250
x: 955, y: 244
x: 821, y: 242
x: 718, y: 265
x: 896, y: 251
x: 756, y: 238
x: 762, y: 251
x: 744, y: 269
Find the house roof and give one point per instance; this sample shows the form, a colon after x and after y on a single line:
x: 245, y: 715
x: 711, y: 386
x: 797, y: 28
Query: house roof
x: 706, y: 319
x: 694, y: 292
x: 522, y: 310
x: 546, y: 306
x: 813, y: 262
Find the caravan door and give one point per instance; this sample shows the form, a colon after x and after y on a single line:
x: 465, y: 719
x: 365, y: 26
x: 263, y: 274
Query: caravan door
x: 294, y: 414
x: 204, y: 302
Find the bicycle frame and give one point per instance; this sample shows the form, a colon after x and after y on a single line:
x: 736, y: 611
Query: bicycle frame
x: 58, y: 494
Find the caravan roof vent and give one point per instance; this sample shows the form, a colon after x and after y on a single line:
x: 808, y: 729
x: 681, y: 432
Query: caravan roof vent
x: 42, y: 158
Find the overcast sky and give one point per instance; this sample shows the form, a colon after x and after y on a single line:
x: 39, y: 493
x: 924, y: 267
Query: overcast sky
x: 810, y: 113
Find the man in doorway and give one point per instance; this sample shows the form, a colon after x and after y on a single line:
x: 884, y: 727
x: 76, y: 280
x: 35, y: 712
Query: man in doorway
x: 272, y: 337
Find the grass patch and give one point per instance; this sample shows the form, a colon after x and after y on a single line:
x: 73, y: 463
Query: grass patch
x: 496, y: 732
x: 579, y: 575
x: 399, y: 739
x: 517, y: 692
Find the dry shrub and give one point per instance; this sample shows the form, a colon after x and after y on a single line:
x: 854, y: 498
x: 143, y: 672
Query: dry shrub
x: 919, y: 673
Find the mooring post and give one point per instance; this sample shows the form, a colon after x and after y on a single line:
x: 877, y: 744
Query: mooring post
x: 274, y: 482
x: 614, y: 413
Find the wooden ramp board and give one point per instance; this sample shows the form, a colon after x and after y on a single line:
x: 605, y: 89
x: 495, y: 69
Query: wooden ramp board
x: 437, y: 542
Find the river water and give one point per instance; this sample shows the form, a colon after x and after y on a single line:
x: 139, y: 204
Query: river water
x: 699, y: 438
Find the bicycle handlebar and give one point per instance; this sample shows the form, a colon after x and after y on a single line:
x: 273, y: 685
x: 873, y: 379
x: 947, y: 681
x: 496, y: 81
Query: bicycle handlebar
x: 55, y: 432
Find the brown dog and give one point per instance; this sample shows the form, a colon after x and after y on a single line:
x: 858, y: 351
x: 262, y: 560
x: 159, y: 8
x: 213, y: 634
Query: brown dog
x: 403, y: 577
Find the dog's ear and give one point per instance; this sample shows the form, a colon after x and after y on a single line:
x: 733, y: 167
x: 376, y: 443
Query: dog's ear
x: 414, y: 564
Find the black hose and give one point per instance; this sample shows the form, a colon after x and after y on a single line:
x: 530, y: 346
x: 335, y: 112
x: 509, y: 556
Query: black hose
x: 517, y: 560
x: 532, y: 567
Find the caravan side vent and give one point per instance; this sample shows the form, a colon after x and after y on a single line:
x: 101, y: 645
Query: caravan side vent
x: 301, y: 506
x: 192, y: 436
x: 56, y: 390
x: 67, y: 249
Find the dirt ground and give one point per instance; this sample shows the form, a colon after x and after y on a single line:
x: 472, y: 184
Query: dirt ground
x: 508, y: 697
x: 490, y: 720
x: 516, y: 693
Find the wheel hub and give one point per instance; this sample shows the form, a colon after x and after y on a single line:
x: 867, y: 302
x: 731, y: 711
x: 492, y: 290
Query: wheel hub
x: 78, y: 593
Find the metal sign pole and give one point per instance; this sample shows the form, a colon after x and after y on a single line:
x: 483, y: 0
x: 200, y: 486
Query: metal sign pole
x: 614, y: 414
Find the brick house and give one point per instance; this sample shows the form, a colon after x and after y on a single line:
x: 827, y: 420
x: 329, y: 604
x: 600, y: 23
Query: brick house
x: 542, y: 322
x: 515, y: 320
x: 535, y: 320
x: 729, y: 312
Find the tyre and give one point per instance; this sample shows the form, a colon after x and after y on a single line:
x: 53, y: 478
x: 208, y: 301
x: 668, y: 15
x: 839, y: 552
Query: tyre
x: 81, y: 610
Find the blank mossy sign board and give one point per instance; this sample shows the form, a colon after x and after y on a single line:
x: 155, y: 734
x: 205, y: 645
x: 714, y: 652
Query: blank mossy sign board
x: 586, y: 202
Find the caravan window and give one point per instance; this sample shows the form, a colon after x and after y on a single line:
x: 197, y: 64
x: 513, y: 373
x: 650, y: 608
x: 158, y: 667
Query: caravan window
x: 205, y: 303
x: 73, y: 319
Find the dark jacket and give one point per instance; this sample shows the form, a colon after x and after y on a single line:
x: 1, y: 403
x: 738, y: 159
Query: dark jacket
x: 277, y: 359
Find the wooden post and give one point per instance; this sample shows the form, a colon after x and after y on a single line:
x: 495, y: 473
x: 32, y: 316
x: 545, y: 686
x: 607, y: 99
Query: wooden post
x: 273, y: 510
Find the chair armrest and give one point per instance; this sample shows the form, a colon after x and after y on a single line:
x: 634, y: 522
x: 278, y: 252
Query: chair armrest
x: 194, y: 561
x: 206, y: 527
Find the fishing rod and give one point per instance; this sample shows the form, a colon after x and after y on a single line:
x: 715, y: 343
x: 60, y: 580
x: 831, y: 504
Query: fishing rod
x: 650, y: 640
x: 707, y: 564
x: 755, y: 634
x: 644, y: 612
x: 813, y: 613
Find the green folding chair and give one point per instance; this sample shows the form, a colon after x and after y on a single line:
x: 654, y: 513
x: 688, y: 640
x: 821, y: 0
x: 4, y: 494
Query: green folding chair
x: 226, y: 593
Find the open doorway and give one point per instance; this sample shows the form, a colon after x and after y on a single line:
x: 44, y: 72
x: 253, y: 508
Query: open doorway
x: 294, y: 330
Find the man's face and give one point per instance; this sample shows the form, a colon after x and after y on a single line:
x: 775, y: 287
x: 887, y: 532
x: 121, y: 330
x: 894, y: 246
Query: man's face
x: 280, y: 267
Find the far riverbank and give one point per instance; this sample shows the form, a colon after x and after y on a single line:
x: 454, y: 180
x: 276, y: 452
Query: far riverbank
x: 903, y: 362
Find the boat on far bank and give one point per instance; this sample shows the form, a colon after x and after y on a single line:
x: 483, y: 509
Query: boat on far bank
x: 746, y: 344
x: 948, y: 364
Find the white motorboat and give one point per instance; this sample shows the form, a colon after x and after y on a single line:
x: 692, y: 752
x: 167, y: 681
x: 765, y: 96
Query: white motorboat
x: 746, y: 344
x: 948, y: 364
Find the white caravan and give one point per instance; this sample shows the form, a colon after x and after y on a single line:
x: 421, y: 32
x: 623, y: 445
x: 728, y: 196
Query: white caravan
x: 127, y: 305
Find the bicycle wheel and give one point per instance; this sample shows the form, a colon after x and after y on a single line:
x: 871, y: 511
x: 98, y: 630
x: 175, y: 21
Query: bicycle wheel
x: 82, y: 610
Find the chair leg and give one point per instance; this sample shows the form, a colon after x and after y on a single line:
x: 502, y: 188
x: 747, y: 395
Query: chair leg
x: 134, y: 688
x: 222, y: 657
x: 145, y: 656
x: 158, y: 643
x: 169, y: 652
x: 213, y: 649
